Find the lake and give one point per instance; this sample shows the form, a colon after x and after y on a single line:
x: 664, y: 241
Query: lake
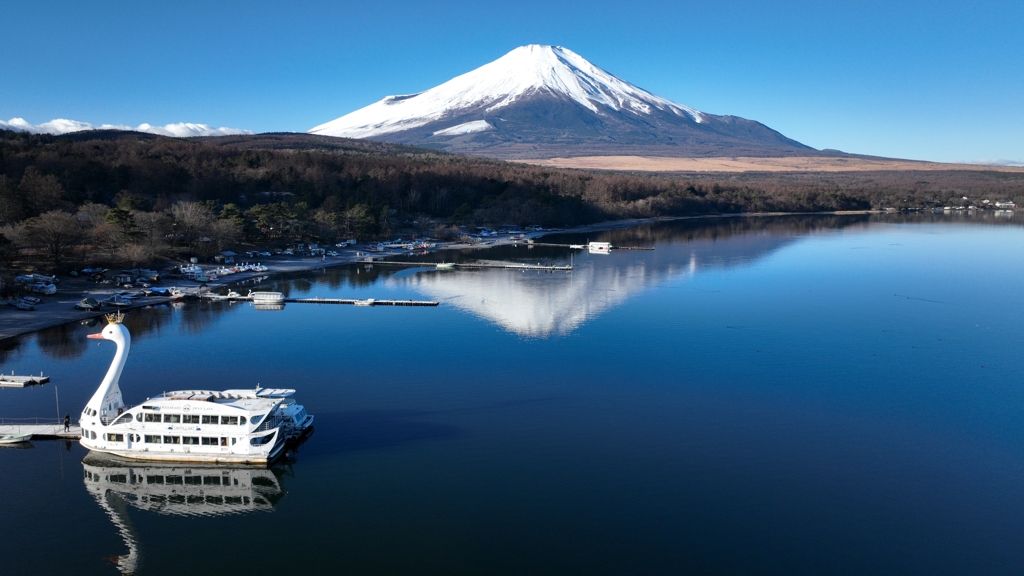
x: 787, y: 395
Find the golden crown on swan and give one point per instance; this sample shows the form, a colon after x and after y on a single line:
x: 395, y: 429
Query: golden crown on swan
x: 115, y: 318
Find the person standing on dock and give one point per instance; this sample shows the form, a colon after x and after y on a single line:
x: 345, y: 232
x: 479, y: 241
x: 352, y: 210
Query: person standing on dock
x: 67, y: 422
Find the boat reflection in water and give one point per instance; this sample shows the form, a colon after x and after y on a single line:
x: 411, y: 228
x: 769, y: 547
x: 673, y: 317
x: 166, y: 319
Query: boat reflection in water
x: 175, y: 489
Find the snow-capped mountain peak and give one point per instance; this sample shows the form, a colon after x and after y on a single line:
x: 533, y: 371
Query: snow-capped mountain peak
x: 547, y: 101
x: 523, y: 72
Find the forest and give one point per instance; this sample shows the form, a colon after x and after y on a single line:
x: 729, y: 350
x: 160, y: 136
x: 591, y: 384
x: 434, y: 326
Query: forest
x: 131, y: 198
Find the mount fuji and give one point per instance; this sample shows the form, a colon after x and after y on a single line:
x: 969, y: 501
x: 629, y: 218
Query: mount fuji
x: 547, y: 101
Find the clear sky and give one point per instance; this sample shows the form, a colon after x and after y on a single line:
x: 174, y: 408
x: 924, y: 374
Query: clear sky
x: 925, y: 80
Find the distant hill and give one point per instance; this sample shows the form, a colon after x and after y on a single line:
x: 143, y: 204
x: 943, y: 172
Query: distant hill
x: 547, y: 101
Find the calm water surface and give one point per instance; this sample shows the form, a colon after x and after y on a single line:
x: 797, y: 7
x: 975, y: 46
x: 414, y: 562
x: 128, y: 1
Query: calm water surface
x: 756, y: 396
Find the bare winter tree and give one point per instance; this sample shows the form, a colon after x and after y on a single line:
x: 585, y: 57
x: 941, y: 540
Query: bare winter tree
x: 193, y: 222
x: 58, y: 232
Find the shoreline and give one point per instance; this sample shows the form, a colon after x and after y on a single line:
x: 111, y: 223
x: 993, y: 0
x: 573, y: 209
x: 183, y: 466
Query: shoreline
x: 17, y: 323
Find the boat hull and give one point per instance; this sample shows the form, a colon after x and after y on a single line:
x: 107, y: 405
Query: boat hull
x: 195, y: 457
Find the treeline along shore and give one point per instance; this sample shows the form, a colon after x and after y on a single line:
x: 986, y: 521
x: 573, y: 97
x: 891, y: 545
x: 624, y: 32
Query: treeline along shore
x: 131, y: 199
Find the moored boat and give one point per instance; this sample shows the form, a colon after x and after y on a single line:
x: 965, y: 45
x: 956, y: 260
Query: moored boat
x: 266, y: 297
x: 197, y: 425
x: 14, y: 438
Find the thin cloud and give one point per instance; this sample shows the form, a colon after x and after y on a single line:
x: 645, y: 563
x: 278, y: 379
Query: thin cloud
x: 997, y: 162
x: 63, y: 126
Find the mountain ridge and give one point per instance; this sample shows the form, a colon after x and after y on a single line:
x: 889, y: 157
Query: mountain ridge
x: 547, y: 101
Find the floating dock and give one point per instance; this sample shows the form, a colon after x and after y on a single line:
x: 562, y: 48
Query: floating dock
x: 42, y: 431
x: 12, y: 381
x: 370, y: 302
x: 584, y: 246
x: 504, y: 266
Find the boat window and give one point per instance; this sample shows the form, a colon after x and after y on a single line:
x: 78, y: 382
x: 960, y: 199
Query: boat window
x: 172, y: 418
x: 190, y: 419
x: 209, y: 441
x: 152, y: 417
x: 195, y: 480
x: 215, y: 480
x: 138, y: 417
x: 232, y: 420
x: 233, y: 440
x: 154, y: 479
x: 209, y: 419
x: 172, y: 439
x: 115, y: 437
x: 256, y: 419
x: 241, y: 420
x: 119, y: 478
x: 92, y: 435
x: 124, y: 419
x: 152, y: 439
x: 223, y: 441
x: 174, y: 480
x: 190, y: 440
x: 261, y: 440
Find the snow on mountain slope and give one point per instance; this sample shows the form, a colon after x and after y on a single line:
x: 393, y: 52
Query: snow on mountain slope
x: 523, y: 72
x: 65, y: 126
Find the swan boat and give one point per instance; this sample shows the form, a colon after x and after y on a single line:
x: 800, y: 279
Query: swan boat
x: 240, y: 426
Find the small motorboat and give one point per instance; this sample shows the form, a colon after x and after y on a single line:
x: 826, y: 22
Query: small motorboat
x: 119, y: 301
x: 44, y: 288
x: 14, y: 438
x: 446, y: 266
x: 20, y: 305
x: 367, y: 302
x: 90, y: 304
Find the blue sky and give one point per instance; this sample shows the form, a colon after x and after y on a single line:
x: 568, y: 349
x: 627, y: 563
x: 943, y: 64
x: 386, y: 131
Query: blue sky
x: 926, y: 80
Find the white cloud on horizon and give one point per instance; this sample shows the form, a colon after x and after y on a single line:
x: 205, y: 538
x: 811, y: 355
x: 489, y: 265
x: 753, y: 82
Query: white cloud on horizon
x: 998, y: 162
x: 64, y: 126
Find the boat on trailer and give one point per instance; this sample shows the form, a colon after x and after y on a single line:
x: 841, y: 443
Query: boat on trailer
x: 198, y: 425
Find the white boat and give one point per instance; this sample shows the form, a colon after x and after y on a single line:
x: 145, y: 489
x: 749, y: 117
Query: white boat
x: 599, y: 247
x: 14, y: 438
x: 367, y: 302
x: 243, y: 426
x: 577, y: 246
x: 266, y: 297
x: 446, y: 266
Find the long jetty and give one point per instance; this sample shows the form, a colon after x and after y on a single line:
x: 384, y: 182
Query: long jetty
x: 476, y: 265
x: 354, y: 302
x: 39, y: 428
x: 584, y: 246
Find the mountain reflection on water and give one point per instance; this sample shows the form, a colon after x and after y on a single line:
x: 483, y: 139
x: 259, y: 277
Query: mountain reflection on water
x: 541, y: 304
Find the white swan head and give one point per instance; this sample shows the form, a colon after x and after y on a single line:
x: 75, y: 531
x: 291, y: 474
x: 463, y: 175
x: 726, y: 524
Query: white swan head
x: 116, y: 333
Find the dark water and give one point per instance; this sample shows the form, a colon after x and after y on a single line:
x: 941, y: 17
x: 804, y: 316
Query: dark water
x: 756, y: 396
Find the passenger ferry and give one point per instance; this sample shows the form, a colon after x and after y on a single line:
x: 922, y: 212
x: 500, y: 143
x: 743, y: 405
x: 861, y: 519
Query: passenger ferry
x: 243, y: 426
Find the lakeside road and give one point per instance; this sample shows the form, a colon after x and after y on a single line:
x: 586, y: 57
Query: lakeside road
x: 59, y: 308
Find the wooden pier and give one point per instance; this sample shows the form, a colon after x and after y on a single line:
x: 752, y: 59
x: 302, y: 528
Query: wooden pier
x: 369, y: 302
x: 584, y: 246
x: 503, y: 265
x: 42, y: 431
x: 12, y: 381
